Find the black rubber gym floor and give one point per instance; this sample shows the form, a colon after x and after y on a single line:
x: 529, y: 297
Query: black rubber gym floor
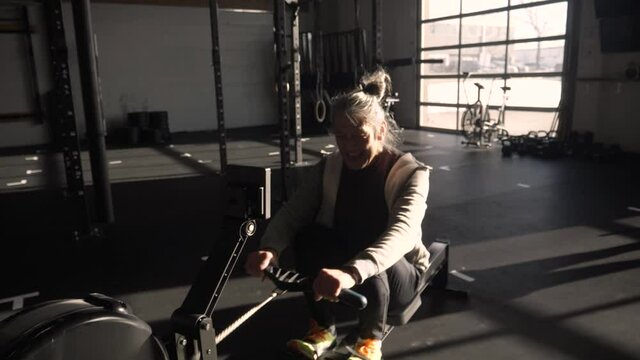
x: 548, y: 250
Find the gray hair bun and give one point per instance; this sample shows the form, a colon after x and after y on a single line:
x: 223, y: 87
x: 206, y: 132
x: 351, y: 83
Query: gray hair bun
x: 377, y: 83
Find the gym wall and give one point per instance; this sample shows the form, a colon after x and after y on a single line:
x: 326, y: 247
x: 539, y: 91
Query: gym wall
x: 159, y: 58
x: 605, y: 98
x: 399, y: 32
x: 399, y: 40
x: 15, y: 89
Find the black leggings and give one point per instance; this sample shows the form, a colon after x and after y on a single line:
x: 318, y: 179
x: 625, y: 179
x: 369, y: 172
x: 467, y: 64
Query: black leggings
x: 318, y: 247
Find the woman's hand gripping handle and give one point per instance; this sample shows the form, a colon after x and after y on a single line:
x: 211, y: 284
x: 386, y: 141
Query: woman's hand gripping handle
x: 325, y: 285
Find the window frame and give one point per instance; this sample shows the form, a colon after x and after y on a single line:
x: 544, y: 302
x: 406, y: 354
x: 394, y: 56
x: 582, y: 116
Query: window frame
x: 420, y: 50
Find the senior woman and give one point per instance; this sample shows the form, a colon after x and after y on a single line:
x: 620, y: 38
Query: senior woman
x: 355, y: 222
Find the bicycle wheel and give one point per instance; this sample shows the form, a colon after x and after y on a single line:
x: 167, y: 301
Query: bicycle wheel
x: 467, y: 123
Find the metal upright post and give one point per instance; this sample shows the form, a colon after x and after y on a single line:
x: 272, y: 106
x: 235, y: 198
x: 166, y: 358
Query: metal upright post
x: 217, y: 76
x: 318, y: 48
x: 282, y: 66
x: 62, y: 117
x: 295, y: 55
x: 92, y: 100
x: 318, y: 55
x: 376, y: 12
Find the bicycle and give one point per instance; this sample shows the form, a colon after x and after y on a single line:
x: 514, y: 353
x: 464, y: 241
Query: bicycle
x: 477, y: 126
x: 472, y: 114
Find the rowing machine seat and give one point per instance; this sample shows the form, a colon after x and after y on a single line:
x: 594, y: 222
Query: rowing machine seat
x: 436, y: 276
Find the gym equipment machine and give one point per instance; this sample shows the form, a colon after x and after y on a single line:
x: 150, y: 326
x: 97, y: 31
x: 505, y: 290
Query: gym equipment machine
x: 99, y: 327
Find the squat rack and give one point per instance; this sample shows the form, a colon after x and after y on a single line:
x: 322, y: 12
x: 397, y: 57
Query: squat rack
x: 286, y: 24
x: 62, y: 115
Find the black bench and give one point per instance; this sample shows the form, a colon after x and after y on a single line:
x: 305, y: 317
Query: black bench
x: 436, y: 277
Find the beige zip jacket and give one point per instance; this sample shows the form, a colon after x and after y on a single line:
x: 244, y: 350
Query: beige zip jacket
x: 406, y: 193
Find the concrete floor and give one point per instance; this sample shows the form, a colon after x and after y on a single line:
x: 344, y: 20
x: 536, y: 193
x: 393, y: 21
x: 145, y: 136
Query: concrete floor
x: 548, y: 251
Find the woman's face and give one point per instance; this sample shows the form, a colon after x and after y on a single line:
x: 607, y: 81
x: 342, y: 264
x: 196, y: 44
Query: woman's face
x: 359, y: 145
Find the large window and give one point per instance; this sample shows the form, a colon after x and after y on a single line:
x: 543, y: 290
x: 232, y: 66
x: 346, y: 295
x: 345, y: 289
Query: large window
x: 513, y: 43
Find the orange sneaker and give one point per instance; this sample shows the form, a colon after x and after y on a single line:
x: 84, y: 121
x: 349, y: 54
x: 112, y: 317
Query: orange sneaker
x: 367, y: 349
x: 315, y: 343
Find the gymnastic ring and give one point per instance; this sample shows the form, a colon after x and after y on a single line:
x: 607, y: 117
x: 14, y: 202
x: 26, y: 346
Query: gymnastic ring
x: 321, y: 111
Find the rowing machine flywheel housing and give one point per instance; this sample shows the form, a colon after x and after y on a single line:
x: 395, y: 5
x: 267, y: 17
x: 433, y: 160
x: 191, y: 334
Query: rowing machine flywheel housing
x: 97, y: 328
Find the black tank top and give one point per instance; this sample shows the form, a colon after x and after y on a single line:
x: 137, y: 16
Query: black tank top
x: 361, y: 213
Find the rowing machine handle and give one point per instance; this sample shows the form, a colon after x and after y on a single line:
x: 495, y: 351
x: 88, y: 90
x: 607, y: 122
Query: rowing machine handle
x: 290, y: 280
x: 353, y: 299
